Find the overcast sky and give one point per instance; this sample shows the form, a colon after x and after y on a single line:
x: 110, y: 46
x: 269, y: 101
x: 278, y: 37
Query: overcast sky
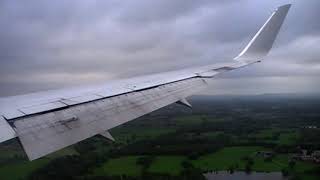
x: 48, y: 44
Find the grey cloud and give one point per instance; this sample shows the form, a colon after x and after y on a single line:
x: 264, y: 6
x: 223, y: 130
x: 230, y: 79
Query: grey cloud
x: 260, y: 85
x: 146, y: 11
x: 94, y: 41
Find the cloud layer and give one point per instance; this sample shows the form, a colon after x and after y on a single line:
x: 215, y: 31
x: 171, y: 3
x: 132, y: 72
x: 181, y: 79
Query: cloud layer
x: 54, y: 44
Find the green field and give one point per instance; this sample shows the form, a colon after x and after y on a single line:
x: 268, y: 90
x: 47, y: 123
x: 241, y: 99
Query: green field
x: 226, y: 158
x: 267, y: 133
x: 120, y: 166
x: 212, y: 134
x: 288, y: 138
x: 22, y: 168
x: 194, y: 120
x: 221, y: 160
x: 167, y: 164
x: 127, y: 166
x: 282, y: 136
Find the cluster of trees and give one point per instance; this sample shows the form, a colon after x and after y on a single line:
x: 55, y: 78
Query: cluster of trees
x: 68, y: 167
x: 17, y: 155
x: 145, y: 162
x: 310, y: 138
x: 16, y: 158
x: 77, y: 167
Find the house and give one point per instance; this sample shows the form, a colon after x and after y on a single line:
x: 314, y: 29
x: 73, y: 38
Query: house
x: 305, y: 156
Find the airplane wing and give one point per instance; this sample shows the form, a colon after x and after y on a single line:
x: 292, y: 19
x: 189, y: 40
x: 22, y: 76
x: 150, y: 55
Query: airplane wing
x: 48, y: 121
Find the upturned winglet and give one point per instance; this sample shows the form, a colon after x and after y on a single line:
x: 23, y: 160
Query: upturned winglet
x: 262, y: 42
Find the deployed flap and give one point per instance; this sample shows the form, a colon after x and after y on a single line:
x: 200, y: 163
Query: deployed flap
x: 262, y: 42
x: 107, y: 135
x: 6, y: 131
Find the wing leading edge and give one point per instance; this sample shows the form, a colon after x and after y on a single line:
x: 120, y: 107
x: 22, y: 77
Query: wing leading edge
x: 48, y: 121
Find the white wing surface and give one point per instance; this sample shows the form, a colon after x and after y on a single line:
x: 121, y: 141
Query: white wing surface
x: 48, y: 121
